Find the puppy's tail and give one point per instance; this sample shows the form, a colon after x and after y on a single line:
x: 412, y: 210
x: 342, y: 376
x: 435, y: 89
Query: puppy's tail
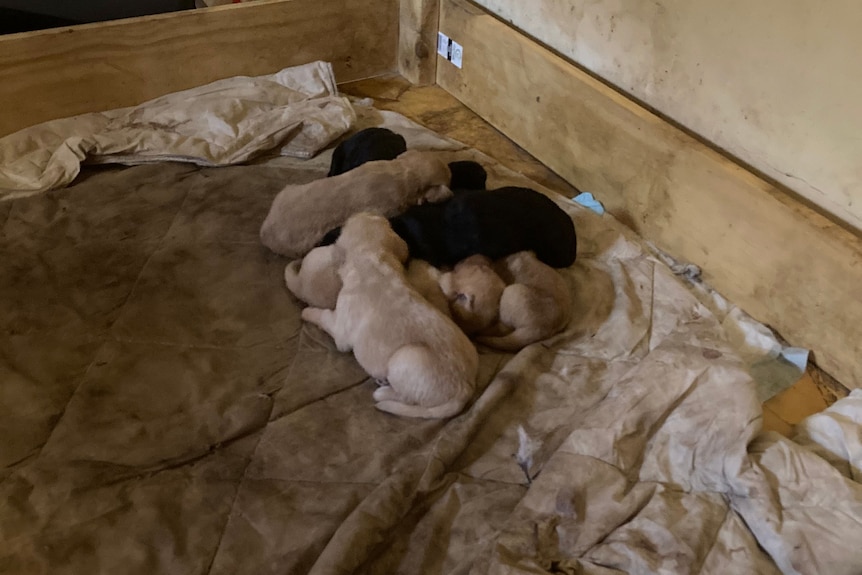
x: 515, y: 341
x: 419, y: 376
x: 449, y: 409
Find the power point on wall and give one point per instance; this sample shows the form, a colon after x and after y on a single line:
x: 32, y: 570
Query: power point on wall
x: 443, y: 44
x: 450, y: 49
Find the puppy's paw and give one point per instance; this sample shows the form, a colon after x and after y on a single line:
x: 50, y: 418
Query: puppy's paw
x: 436, y: 194
x: 318, y: 316
x: 385, y: 393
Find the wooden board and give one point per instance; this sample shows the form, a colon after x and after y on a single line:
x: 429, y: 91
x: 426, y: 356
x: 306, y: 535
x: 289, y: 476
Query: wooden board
x: 437, y: 110
x: 67, y: 71
x: 785, y: 264
x: 417, y: 44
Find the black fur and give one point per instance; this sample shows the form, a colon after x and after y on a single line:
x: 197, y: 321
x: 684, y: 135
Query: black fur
x: 421, y: 227
x: 467, y: 175
x: 366, y: 145
x: 493, y: 223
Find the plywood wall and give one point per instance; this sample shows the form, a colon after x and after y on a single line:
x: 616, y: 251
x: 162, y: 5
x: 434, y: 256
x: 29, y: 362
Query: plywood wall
x: 782, y: 262
x: 66, y: 71
x: 776, y: 82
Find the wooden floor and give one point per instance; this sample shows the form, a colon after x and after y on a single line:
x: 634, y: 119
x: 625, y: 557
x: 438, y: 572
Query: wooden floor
x: 436, y: 109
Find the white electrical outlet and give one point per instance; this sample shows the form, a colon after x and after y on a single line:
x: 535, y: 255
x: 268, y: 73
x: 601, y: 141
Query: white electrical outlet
x: 450, y: 49
x: 443, y: 45
x: 456, y: 54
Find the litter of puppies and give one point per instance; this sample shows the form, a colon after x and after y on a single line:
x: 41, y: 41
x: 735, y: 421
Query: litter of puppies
x: 406, y: 294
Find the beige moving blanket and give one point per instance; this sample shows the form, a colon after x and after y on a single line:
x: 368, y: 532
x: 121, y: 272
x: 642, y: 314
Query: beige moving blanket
x: 164, y: 410
x: 296, y: 112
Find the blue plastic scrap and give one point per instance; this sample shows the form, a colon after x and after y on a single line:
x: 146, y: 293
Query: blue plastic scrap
x: 587, y: 200
x: 797, y: 356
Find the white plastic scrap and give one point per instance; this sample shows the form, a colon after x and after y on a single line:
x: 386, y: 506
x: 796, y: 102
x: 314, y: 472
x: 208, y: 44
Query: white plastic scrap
x: 527, y: 448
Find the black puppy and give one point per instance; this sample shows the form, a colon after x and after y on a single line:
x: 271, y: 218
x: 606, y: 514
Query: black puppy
x: 493, y: 223
x: 422, y: 228
x: 366, y: 145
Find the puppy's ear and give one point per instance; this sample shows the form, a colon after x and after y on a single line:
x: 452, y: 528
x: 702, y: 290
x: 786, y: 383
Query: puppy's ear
x: 399, y: 248
x: 445, y: 283
x: 437, y: 194
x: 476, y: 260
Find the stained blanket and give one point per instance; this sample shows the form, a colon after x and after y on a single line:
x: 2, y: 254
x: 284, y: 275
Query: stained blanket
x: 297, y: 111
x: 164, y: 410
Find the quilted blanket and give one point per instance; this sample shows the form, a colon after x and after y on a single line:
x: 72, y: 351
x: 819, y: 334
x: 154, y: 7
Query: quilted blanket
x: 164, y: 410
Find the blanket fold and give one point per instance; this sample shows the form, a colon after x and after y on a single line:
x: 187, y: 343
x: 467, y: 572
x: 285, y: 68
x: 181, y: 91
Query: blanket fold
x: 297, y: 111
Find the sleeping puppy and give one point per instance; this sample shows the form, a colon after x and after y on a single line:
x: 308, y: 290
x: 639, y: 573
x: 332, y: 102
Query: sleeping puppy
x: 314, y: 279
x: 424, y: 233
x: 376, y: 143
x: 364, y: 146
x: 502, y: 222
x: 473, y: 290
x: 494, y: 223
x: 300, y: 215
x: 535, y: 305
x: 396, y: 336
x: 466, y: 175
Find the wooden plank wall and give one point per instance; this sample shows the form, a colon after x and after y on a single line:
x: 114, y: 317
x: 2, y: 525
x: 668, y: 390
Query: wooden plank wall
x: 785, y: 264
x: 67, y: 71
x: 417, y: 45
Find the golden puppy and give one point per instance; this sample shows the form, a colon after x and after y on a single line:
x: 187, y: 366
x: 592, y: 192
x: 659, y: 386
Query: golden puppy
x: 301, y: 215
x: 314, y: 279
x: 535, y: 305
x: 396, y: 335
x: 474, y: 290
x: 425, y: 279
